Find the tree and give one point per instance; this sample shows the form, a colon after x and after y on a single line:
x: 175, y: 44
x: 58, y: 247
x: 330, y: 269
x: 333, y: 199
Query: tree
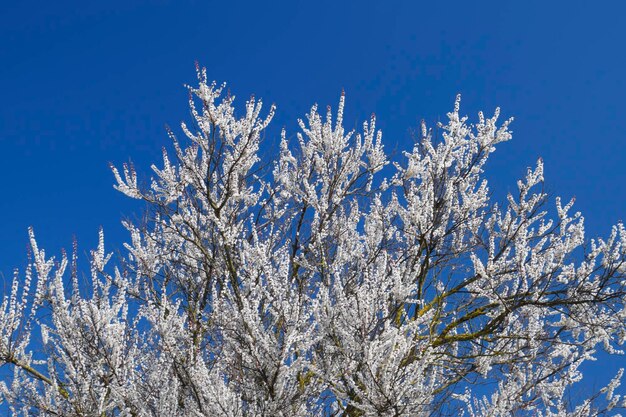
x: 328, y: 282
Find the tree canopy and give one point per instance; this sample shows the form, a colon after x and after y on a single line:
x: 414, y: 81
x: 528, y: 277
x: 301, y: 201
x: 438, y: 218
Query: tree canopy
x: 326, y: 281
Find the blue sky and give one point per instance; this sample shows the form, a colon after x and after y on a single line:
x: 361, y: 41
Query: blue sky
x: 87, y: 83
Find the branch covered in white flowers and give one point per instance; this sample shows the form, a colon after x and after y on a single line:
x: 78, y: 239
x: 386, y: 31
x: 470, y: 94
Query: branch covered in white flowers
x: 334, y: 283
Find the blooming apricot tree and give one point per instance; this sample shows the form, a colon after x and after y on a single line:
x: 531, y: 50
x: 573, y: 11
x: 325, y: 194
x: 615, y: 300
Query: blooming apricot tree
x: 327, y: 282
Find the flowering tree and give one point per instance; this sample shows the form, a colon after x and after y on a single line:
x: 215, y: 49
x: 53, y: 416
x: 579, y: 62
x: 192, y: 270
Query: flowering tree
x: 318, y: 287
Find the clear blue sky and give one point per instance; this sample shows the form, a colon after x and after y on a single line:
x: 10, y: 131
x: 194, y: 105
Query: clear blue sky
x: 87, y: 83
